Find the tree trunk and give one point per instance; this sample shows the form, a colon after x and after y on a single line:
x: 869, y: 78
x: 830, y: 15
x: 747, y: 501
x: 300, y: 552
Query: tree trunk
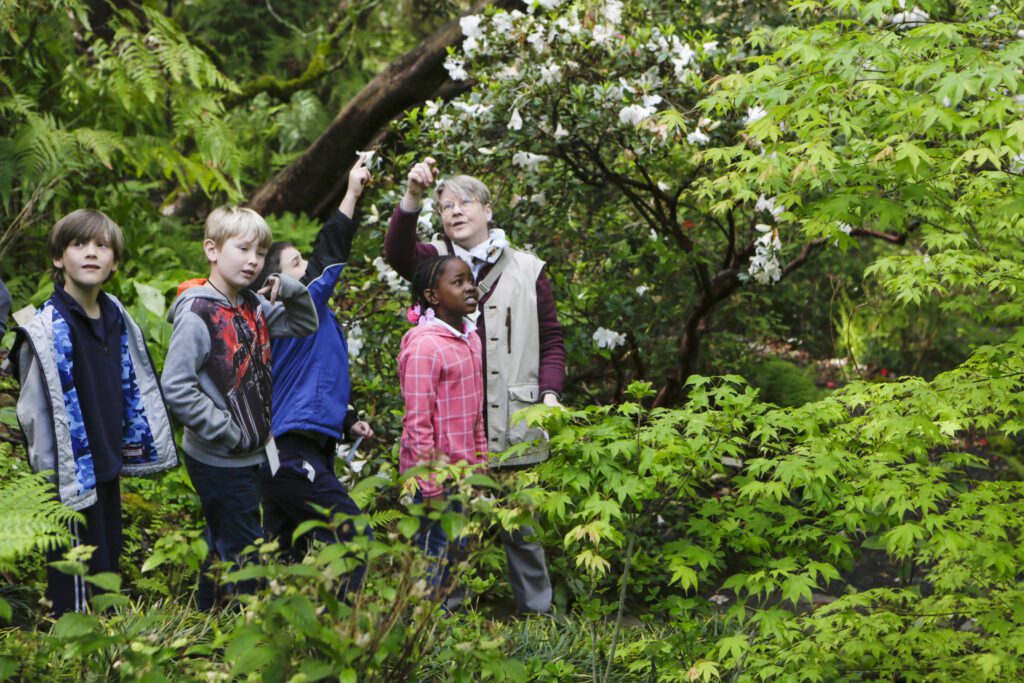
x: 314, y: 182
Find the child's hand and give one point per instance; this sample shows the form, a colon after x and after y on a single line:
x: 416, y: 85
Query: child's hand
x: 358, y: 177
x: 361, y: 428
x: 272, y: 288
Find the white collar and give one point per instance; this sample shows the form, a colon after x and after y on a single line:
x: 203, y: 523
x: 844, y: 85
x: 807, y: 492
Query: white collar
x: 466, y: 329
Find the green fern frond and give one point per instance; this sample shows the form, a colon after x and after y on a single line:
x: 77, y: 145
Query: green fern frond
x: 31, y: 519
x: 383, y: 518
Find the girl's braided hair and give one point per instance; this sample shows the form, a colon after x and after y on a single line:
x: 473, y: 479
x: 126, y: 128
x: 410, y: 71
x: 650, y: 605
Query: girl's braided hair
x: 425, y: 277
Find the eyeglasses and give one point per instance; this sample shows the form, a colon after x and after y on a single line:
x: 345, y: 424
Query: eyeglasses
x: 449, y: 206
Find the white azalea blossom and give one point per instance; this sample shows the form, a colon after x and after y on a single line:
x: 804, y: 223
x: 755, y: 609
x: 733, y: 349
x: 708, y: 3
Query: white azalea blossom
x: 642, y: 289
x: 568, y: 26
x: 911, y: 18
x: 652, y: 100
x: 470, y: 25
x: 432, y: 107
x: 663, y: 186
x: 698, y: 137
x: 456, y: 68
x: 425, y: 219
x: 473, y: 110
x: 516, y: 122
x: 560, y: 132
x: 1017, y: 164
x: 613, y: 12
x: 503, y: 22
x: 765, y: 204
x: 608, y: 339
x: 386, y: 274
x: 601, y: 33
x: 754, y: 114
x: 528, y: 160
x: 845, y: 228
x: 635, y: 114
x: 537, y: 41
x: 710, y: 47
x: 764, y: 264
x: 546, y: 4
x: 355, y: 340
x: 550, y: 73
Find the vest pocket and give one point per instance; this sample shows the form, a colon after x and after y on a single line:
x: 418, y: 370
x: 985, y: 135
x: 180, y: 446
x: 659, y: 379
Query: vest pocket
x: 522, y: 396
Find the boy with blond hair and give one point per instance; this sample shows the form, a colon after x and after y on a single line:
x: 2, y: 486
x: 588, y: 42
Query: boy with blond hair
x: 217, y: 377
x: 90, y: 403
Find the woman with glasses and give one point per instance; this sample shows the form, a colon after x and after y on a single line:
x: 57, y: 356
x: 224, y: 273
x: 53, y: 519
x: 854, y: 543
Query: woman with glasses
x: 524, y: 352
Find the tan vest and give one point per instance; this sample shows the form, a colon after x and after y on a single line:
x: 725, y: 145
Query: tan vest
x: 512, y: 350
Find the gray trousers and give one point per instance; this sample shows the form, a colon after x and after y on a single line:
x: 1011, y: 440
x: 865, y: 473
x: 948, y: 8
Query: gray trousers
x: 527, y: 570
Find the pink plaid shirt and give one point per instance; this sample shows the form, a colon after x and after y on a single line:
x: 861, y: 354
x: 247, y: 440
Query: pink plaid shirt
x: 441, y: 375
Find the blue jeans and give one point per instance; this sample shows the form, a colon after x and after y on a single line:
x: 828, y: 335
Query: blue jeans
x: 230, y: 500
x: 434, y: 542
x: 289, y: 496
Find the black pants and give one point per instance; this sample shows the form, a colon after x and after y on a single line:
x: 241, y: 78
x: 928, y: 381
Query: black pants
x: 231, y: 506
x: 102, y: 528
x: 306, y: 478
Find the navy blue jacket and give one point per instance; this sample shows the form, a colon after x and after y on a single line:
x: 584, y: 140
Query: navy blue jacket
x: 310, y: 374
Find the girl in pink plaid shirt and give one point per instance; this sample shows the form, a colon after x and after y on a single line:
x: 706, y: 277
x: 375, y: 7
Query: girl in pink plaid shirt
x: 440, y: 370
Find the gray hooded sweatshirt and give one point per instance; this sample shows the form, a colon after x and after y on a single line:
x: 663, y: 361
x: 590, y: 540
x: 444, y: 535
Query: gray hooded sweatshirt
x: 216, y: 378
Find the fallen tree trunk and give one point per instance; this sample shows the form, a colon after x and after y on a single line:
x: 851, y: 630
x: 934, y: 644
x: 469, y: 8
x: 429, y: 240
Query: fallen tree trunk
x: 312, y: 183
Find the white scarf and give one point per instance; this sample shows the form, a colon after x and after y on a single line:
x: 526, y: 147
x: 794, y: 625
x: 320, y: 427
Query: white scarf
x: 488, y: 251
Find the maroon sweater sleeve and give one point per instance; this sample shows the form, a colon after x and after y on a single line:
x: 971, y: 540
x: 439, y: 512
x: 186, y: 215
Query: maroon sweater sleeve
x: 552, y: 345
x: 402, y: 248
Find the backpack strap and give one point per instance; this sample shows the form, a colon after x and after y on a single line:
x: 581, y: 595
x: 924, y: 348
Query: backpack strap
x: 495, y: 272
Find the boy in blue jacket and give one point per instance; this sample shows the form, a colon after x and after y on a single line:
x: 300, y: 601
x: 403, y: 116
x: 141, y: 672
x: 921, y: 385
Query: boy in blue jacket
x: 311, y: 389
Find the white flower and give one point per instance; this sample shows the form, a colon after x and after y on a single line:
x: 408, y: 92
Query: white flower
x: 754, y: 114
x: 613, y: 12
x: 682, y: 58
x: 387, y: 275
x: 663, y: 186
x: 698, y: 137
x: 764, y: 264
x: 608, y: 339
x: 915, y: 17
x: 550, y: 73
x: 566, y: 26
x: 455, y: 66
x: 516, y: 122
x: 768, y: 205
x: 432, y: 107
x: 470, y: 46
x: 1017, y: 164
x: 471, y: 26
x: 502, y: 23
x: 546, y: 4
x: 845, y: 227
x: 710, y: 47
x: 539, y: 199
x: 560, y: 132
x: 536, y: 41
x: 652, y: 100
x: 507, y: 72
x: 635, y: 114
x: 473, y: 110
x: 531, y: 162
x: 355, y: 340
x: 426, y: 214
x: 601, y: 33
x: 719, y: 599
x: 642, y: 289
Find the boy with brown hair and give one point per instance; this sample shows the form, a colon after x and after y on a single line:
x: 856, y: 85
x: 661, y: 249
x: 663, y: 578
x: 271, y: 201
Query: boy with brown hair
x: 217, y: 377
x: 90, y: 403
